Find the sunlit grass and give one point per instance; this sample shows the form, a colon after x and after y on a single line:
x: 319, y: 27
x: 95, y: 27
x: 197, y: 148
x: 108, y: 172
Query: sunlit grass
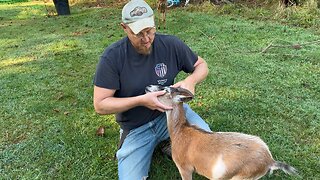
x: 26, y: 10
x: 63, y: 46
x: 12, y: 62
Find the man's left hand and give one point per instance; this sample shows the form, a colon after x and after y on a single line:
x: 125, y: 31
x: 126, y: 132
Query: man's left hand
x: 185, y: 85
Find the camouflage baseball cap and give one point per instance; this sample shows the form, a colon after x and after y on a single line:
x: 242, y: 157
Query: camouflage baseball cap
x: 138, y: 15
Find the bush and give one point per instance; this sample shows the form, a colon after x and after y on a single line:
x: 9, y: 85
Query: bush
x: 306, y: 14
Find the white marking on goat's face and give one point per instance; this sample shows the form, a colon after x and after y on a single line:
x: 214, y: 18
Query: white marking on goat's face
x: 219, y: 168
x: 153, y: 88
x: 167, y: 89
x: 177, y: 98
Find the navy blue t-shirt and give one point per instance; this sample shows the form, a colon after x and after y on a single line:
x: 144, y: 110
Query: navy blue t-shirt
x: 122, y: 69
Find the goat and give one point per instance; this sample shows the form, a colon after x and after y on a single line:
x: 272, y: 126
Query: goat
x: 215, y: 155
x: 162, y: 8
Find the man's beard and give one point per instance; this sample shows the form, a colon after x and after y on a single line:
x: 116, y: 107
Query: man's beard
x: 144, y: 51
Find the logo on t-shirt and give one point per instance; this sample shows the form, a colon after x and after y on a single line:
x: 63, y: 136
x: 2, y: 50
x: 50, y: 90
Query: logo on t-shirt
x: 161, y: 70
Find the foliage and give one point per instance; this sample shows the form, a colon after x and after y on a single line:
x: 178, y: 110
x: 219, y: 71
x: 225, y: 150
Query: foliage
x: 47, y: 63
x: 305, y: 15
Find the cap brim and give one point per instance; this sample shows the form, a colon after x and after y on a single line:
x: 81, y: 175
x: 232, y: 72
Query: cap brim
x: 141, y: 24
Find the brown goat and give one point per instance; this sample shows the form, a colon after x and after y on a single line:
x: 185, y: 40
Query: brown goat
x: 162, y: 8
x: 217, y: 155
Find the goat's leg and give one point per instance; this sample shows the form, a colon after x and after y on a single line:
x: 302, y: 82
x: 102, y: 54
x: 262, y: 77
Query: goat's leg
x: 187, y: 1
x: 164, y: 20
x: 159, y: 21
x: 185, y: 173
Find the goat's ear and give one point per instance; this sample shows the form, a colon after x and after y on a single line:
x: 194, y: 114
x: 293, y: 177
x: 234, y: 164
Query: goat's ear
x: 183, y: 98
x: 184, y: 92
x: 186, y: 98
x: 182, y: 95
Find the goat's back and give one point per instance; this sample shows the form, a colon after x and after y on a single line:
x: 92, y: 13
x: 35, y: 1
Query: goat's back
x: 211, y: 154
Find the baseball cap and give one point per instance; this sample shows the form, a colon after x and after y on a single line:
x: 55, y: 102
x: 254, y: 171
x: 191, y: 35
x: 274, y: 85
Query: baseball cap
x: 138, y: 15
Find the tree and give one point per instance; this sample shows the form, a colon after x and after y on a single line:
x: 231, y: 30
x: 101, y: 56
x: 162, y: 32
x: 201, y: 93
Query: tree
x: 62, y: 7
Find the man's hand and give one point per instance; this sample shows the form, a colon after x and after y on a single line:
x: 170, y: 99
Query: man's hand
x: 150, y: 100
x: 185, y: 85
x: 200, y: 73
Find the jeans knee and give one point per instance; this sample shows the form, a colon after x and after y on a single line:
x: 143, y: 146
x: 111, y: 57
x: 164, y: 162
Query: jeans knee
x: 194, y: 119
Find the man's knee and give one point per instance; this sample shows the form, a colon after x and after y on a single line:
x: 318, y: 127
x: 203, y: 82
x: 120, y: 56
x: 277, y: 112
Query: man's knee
x: 194, y: 119
x: 134, y: 160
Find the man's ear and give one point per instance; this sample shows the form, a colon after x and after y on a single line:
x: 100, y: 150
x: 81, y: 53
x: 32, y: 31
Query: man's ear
x: 124, y: 27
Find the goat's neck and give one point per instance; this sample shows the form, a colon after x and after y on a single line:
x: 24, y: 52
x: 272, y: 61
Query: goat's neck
x: 176, y: 119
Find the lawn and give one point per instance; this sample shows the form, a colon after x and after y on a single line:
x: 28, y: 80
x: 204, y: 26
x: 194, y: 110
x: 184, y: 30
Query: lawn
x: 47, y: 63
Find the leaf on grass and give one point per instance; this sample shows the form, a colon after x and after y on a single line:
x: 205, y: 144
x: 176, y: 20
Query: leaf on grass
x: 79, y: 33
x: 60, y: 96
x: 100, y: 131
x: 297, y: 46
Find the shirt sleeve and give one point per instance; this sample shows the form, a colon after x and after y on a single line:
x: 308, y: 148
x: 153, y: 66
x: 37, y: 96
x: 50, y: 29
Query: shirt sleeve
x: 107, y: 75
x: 185, y: 56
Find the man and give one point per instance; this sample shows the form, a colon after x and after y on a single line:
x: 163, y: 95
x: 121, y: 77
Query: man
x: 126, y: 67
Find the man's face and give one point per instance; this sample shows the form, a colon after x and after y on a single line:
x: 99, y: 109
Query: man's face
x: 142, y: 41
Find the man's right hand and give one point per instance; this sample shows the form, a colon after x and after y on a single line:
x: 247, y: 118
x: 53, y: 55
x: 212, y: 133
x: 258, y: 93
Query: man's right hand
x: 150, y: 100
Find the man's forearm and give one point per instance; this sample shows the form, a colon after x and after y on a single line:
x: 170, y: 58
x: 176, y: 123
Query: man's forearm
x: 113, y: 105
x: 199, y: 74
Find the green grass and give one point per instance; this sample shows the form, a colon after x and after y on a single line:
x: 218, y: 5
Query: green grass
x: 12, y: 1
x: 47, y: 120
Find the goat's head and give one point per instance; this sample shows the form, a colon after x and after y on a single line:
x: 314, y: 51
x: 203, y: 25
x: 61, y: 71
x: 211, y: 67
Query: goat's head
x: 172, y: 95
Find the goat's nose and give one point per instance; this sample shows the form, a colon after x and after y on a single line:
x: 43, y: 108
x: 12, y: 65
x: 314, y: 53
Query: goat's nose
x: 155, y: 88
x: 152, y: 88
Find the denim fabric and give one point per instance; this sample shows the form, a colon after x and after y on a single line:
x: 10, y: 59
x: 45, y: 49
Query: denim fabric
x: 134, y: 157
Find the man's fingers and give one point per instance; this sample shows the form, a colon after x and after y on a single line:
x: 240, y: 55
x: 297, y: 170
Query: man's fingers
x: 159, y: 93
x: 161, y: 110
x: 176, y: 85
x: 164, y: 107
x: 161, y: 107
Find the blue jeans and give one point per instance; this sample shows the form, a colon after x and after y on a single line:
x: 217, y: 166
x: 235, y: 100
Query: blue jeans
x: 134, y: 157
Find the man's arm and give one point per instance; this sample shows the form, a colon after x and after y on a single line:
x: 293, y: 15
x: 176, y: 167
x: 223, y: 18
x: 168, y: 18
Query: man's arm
x: 199, y: 74
x: 105, y: 102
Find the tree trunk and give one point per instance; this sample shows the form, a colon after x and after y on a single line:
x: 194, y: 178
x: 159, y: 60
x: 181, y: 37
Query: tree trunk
x: 62, y: 7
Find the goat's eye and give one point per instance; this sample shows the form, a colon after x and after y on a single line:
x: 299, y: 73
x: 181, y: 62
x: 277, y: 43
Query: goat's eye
x: 166, y: 89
